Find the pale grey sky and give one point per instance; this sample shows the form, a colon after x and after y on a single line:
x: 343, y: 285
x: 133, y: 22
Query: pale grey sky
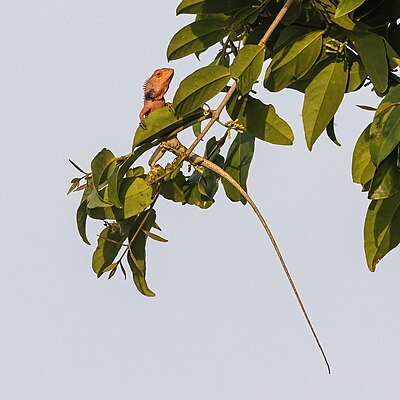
x: 224, y: 324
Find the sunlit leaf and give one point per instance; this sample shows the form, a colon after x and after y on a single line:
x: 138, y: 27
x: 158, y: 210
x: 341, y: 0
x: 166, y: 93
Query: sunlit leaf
x: 96, y: 201
x: 347, y: 6
x: 327, y: 8
x: 246, y: 67
x: 162, y: 123
x: 155, y: 237
x: 322, y: 99
x: 199, y: 87
x: 362, y: 167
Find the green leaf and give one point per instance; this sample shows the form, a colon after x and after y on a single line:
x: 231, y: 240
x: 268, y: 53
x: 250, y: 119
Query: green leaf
x: 155, y: 237
x: 385, y: 130
x: 135, y: 194
x: 207, y: 182
x: 196, y: 37
x: 293, y: 61
x: 322, y: 99
x: 102, y: 165
x: 111, y: 267
x: 246, y: 67
x: 193, y: 195
x: 174, y: 189
x: 137, y: 254
x: 381, y: 229
x: 242, y: 17
x: 237, y: 164
x: 212, y: 6
x: 289, y: 34
x: 372, y: 50
x: 386, y: 181
x: 362, y: 167
x: 366, y: 108
x: 260, y: 120
x: 111, y: 190
x: 162, y: 123
x: 347, y: 6
x: 108, y: 246
x: 96, y: 201
x: 330, y: 130
x: 357, y: 76
x: 81, y: 217
x: 199, y: 87
x: 327, y: 9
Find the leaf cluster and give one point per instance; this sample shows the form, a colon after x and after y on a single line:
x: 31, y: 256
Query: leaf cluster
x: 324, y: 49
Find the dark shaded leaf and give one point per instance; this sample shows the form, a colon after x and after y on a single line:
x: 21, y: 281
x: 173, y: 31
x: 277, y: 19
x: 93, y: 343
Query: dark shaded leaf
x: 293, y: 61
x: 102, y: 166
x: 385, y: 130
x: 212, y: 6
x: 237, y: 164
x: 260, y: 120
x: 357, y: 76
x: 386, y: 180
x: 174, y: 189
x: 81, y: 217
x: 135, y: 195
x: 381, y: 229
x: 330, y: 130
x: 372, y: 50
x: 137, y: 254
x: 196, y: 37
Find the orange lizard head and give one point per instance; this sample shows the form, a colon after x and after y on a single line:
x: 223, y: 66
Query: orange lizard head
x: 157, y: 85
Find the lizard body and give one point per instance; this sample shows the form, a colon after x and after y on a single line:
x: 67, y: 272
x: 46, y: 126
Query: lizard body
x: 154, y: 90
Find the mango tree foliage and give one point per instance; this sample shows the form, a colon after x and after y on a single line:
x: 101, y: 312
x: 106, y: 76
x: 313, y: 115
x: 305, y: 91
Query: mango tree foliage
x: 325, y: 49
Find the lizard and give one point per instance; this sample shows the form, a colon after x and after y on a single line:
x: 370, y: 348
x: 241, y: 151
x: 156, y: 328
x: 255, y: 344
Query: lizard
x: 154, y: 90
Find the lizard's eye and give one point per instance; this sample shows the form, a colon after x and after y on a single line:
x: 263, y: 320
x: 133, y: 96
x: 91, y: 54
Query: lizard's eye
x: 158, y: 73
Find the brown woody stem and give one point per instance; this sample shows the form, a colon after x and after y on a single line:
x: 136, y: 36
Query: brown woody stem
x: 176, y: 147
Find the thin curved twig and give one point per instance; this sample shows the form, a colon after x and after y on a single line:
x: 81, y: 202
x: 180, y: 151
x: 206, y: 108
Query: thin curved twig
x: 176, y: 147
